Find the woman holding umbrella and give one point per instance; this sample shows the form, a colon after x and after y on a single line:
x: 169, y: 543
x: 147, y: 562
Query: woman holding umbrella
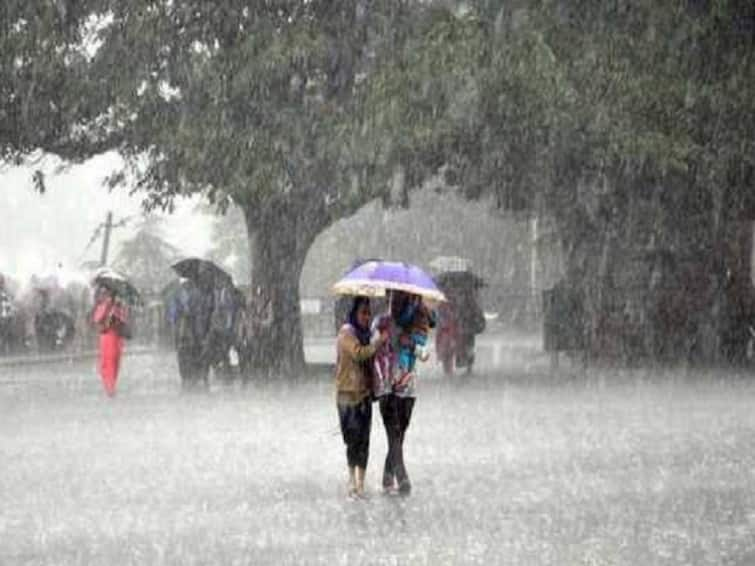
x: 110, y: 317
x: 395, y: 390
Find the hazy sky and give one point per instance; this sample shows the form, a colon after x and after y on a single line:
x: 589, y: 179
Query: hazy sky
x: 38, y: 233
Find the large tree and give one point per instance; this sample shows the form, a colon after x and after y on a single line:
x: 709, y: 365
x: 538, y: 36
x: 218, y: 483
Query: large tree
x: 628, y: 121
x: 260, y: 105
x: 48, y: 101
x: 263, y: 105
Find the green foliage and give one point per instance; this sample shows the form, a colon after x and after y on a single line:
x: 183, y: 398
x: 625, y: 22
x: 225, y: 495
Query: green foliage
x: 626, y: 119
x: 253, y: 101
x: 146, y: 257
x: 251, y: 105
x: 47, y: 98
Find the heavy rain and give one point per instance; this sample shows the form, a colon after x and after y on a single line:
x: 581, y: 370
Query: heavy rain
x: 377, y: 282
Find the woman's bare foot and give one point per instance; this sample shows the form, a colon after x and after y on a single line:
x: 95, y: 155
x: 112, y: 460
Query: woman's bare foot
x: 359, y: 474
x: 352, y: 490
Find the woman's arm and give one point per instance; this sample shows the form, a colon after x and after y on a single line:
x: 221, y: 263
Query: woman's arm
x: 350, y: 346
x: 101, y: 315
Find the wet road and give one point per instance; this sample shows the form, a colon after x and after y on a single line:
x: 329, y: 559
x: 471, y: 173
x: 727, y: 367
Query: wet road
x: 508, y: 467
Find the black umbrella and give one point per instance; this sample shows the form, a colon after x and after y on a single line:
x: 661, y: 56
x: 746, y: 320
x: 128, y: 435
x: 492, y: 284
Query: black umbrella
x: 118, y: 284
x: 459, y: 280
x: 201, y: 271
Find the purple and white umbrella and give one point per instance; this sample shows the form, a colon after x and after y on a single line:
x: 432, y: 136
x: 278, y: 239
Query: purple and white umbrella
x: 374, y: 278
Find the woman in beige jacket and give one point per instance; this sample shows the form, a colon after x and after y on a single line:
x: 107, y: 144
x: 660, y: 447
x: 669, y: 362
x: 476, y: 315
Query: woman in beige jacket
x: 356, y: 347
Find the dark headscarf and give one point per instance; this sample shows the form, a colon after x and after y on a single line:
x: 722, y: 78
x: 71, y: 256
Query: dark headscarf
x: 363, y: 334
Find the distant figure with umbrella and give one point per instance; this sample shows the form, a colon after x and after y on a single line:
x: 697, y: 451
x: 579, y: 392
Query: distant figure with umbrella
x: 183, y: 311
x: 111, y: 320
x: 210, y: 315
x: 461, y: 319
x: 226, y: 304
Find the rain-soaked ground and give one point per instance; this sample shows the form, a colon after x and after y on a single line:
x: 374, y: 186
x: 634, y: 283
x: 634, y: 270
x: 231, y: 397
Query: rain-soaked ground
x: 508, y: 467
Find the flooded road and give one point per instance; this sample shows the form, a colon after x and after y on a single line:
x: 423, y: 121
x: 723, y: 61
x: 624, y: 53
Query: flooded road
x: 507, y: 468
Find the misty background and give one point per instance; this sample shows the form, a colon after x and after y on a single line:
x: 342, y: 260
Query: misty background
x: 587, y: 168
x: 39, y: 234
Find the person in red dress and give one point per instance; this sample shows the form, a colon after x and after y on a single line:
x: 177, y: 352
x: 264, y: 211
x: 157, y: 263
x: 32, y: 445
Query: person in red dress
x: 110, y: 317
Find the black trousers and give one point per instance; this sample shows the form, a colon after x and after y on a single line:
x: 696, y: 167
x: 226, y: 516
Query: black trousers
x: 356, y: 423
x: 192, y: 367
x: 5, y: 335
x: 396, y: 413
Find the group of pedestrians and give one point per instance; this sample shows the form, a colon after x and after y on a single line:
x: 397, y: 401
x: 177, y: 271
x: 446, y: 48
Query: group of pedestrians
x: 46, y: 317
x: 212, y: 322
x: 371, y: 367
x: 204, y: 319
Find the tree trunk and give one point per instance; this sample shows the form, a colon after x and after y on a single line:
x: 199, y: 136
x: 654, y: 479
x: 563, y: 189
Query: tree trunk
x: 278, y: 246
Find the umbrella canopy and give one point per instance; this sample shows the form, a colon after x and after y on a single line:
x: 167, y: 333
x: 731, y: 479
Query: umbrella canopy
x: 374, y: 278
x: 118, y: 284
x: 450, y: 263
x: 201, y: 271
x: 461, y: 280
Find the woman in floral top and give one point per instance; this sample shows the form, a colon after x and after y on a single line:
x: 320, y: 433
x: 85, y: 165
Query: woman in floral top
x: 396, y: 391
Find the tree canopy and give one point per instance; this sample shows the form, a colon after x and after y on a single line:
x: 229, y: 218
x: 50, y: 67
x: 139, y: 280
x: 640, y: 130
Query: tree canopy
x: 147, y: 257
x: 629, y: 120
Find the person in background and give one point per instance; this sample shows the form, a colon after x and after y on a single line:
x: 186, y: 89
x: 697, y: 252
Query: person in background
x: 188, y: 335
x: 6, y: 317
x: 220, y: 336
x: 260, y: 318
x: 110, y: 318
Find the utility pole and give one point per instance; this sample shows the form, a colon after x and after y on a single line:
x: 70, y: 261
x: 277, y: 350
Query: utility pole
x: 106, y: 239
x: 534, y: 261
